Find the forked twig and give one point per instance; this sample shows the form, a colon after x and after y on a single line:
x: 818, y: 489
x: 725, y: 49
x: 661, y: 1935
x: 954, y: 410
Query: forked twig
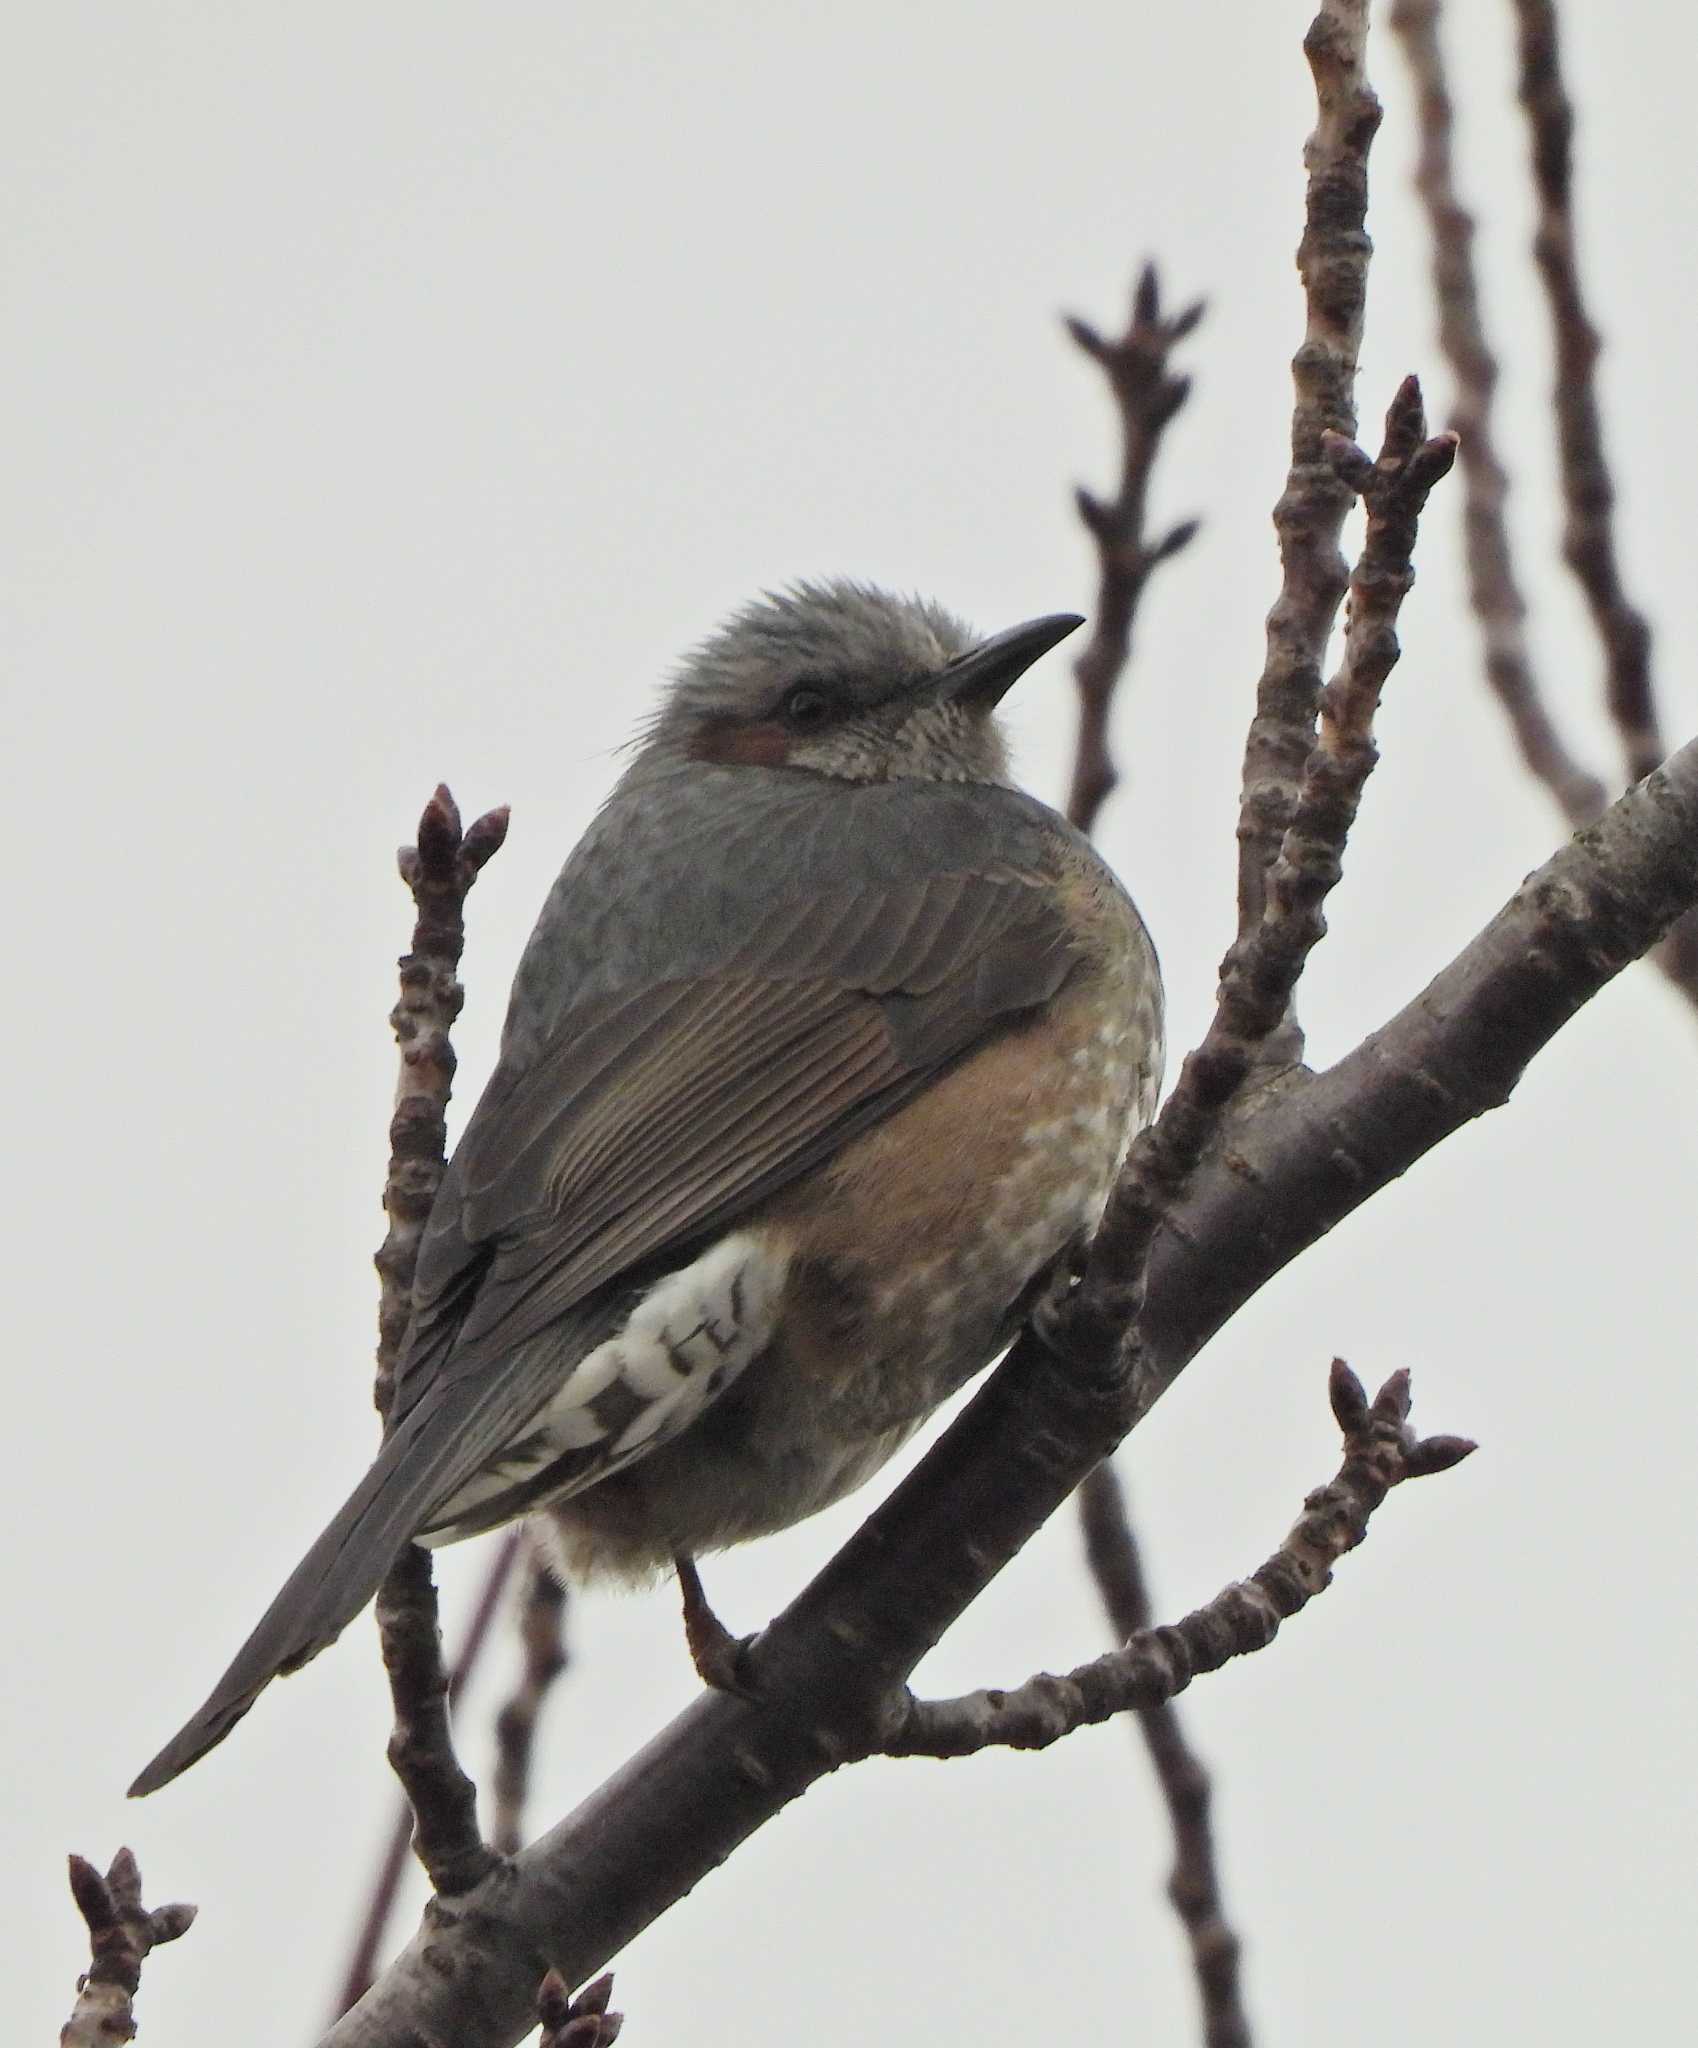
x: 121, y: 1932
x: 1380, y: 1452
x: 1147, y: 395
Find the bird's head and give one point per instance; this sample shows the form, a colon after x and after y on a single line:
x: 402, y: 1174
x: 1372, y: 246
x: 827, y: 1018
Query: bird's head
x: 841, y: 679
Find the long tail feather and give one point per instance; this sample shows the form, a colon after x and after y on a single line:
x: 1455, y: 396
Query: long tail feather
x: 330, y: 1585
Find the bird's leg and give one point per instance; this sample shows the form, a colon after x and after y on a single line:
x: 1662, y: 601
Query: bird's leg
x: 1048, y: 1299
x: 717, y: 1654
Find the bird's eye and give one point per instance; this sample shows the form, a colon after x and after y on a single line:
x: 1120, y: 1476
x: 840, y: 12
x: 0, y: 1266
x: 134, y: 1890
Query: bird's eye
x: 806, y: 708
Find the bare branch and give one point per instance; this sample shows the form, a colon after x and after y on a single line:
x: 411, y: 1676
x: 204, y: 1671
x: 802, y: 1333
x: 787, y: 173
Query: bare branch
x: 1261, y: 970
x: 1146, y: 395
x: 1493, y: 587
x: 421, y: 1748
x: 1303, y: 1151
x: 439, y: 871
x: 1333, y: 261
x: 1380, y: 1452
x: 1588, y: 542
x: 542, y: 1616
x: 1588, y: 489
x: 386, y: 1885
x: 1194, y: 1883
x: 121, y: 1932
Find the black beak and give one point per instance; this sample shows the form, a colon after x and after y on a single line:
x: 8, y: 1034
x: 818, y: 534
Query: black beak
x: 981, y: 678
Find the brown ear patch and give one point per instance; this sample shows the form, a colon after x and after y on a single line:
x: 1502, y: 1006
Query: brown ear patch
x: 727, y: 743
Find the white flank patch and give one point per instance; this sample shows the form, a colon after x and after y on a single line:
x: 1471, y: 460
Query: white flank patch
x: 683, y: 1343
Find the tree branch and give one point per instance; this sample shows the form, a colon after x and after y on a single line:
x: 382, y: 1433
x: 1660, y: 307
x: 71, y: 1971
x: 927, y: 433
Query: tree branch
x: 1588, y: 542
x: 121, y: 1933
x: 386, y: 1885
x: 542, y: 1616
x: 439, y: 871
x: 1146, y: 396
x: 1194, y: 1882
x: 1302, y: 1151
x: 1261, y: 970
x: 1588, y: 488
x: 1493, y: 587
x: 1380, y: 1452
x: 1332, y: 258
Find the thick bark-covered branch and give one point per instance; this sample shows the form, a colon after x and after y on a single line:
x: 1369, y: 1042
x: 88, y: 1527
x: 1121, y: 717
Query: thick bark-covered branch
x: 1156, y: 1664
x: 1300, y: 1153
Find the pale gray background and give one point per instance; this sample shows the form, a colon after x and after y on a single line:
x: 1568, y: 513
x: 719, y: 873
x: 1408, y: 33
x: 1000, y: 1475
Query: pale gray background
x: 391, y: 391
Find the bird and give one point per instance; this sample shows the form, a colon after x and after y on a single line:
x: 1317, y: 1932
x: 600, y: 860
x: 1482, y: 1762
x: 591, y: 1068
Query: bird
x: 818, y: 1069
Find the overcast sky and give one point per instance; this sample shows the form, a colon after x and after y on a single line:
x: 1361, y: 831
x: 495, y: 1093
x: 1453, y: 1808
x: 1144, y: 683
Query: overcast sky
x: 391, y: 392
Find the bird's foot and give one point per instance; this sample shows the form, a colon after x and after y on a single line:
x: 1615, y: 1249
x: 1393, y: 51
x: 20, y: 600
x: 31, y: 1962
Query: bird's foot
x: 720, y: 1658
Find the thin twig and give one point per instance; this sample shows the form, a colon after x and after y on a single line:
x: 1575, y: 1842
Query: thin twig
x: 1588, y: 490
x: 1146, y: 396
x: 421, y: 1747
x: 1261, y: 970
x: 1194, y: 1882
x: 1332, y: 259
x: 542, y: 1616
x: 1493, y: 586
x: 1588, y: 487
x: 386, y: 1884
x: 439, y: 871
x: 1380, y: 1452
x: 121, y: 1931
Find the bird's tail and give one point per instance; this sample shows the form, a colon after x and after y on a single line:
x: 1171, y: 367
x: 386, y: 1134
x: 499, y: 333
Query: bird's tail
x: 330, y: 1585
